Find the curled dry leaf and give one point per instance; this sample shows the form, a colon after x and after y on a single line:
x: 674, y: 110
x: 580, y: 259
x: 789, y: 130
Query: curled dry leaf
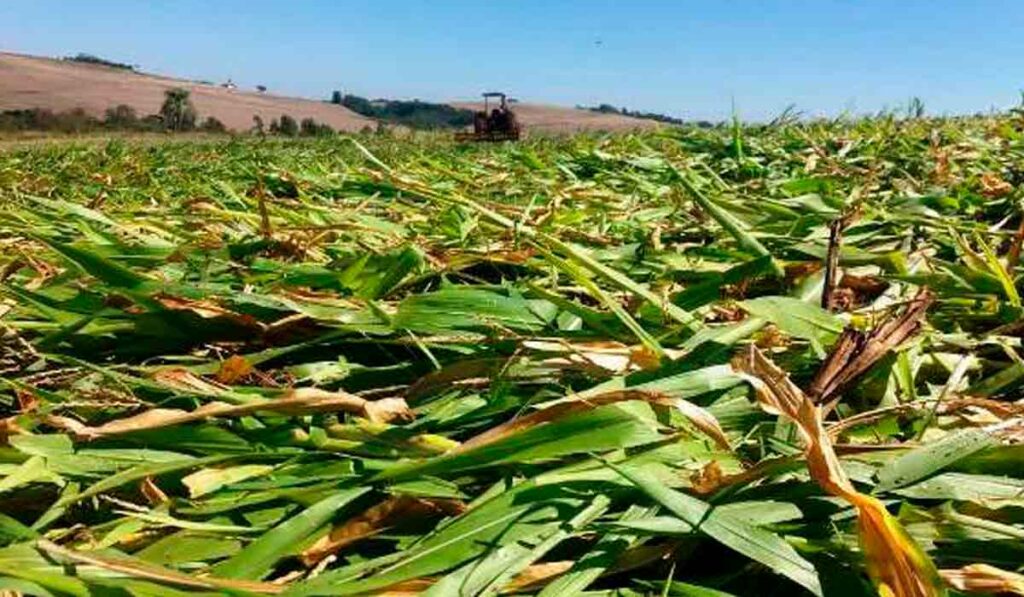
x: 894, y: 561
x: 855, y: 351
x: 700, y: 418
x: 376, y: 519
x: 984, y: 579
x: 297, y: 402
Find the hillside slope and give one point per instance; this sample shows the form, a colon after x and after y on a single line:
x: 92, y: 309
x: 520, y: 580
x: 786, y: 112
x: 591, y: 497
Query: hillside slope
x: 31, y: 82
x: 35, y: 82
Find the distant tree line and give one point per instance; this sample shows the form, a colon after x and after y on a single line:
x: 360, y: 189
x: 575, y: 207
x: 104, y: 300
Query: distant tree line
x: 413, y: 113
x: 91, y: 59
x: 177, y: 114
x: 610, y: 109
x: 287, y: 126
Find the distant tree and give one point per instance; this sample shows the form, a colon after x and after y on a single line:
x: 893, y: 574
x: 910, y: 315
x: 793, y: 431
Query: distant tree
x: 261, y: 88
x: 75, y: 121
x: 610, y: 109
x: 177, y: 111
x: 413, y: 113
x: 336, y: 97
x: 915, y: 109
x: 359, y: 105
x: 91, y: 59
x: 287, y: 126
x: 213, y: 125
x: 308, y: 127
x: 311, y: 128
x: 121, y: 117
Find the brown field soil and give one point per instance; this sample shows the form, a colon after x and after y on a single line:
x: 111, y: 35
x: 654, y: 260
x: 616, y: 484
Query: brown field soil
x: 557, y: 119
x: 31, y: 82
x: 35, y: 82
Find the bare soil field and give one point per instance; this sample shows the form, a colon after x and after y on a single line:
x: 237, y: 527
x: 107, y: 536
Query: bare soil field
x: 34, y: 82
x: 31, y: 82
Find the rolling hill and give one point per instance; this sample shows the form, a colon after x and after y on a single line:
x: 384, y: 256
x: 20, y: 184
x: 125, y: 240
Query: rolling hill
x: 58, y: 85
x: 31, y: 82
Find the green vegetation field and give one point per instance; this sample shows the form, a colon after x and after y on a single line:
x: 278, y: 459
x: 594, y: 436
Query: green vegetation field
x: 370, y: 365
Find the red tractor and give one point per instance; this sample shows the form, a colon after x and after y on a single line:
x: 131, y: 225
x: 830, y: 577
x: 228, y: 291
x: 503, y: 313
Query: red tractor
x: 493, y: 124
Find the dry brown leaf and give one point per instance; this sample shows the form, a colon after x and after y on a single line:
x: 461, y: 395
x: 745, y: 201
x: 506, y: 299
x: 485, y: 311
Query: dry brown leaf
x: 8, y: 427
x: 708, y: 479
x: 455, y: 373
x: 855, y: 352
x: 27, y: 401
x: 387, y: 410
x: 798, y: 270
x: 894, y: 561
x: 184, y: 380
x: 376, y: 519
x: 209, y: 310
x: 537, y: 575
x: 985, y: 579
x: 610, y: 356
x: 701, y: 418
x: 996, y: 409
x: 864, y: 287
x: 153, y: 494
x: 234, y: 369
x: 644, y: 358
x: 296, y: 402
x: 992, y: 185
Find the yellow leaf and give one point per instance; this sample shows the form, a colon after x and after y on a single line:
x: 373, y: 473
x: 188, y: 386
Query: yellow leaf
x: 985, y: 579
x: 895, y: 563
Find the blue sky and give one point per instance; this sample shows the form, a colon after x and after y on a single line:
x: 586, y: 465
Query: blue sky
x: 687, y: 58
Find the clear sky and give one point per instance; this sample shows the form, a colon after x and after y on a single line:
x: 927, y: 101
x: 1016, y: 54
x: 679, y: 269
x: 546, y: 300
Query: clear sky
x: 687, y: 58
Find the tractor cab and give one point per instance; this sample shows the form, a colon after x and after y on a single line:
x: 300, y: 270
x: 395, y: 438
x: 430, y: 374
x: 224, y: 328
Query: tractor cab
x: 496, y: 122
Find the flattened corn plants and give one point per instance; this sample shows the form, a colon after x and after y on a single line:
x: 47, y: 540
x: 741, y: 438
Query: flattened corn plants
x: 761, y: 360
